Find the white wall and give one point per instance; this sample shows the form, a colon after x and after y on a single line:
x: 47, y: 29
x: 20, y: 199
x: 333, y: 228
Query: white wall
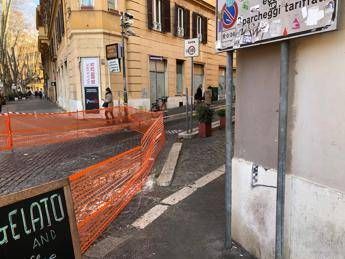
x: 317, y: 108
x: 253, y: 210
x: 314, y: 218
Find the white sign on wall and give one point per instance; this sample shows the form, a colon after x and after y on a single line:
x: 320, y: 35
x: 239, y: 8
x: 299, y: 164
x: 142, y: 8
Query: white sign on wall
x: 114, y: 66
x: 90, y: 72
x: 243, y: 23
x: 191, y: 48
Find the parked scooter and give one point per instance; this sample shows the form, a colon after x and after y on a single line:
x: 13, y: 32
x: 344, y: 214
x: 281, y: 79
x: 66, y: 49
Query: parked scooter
x: 160, y: 104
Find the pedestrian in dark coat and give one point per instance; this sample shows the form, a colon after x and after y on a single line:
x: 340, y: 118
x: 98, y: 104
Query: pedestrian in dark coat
x: 198, y: 95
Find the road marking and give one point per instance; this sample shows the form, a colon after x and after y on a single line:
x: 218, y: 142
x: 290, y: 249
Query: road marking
x: 179, y: 195
x: 208, y: 178
x: 175, y: 198
x: 150, y: 216
x: 173, y: 132
x: 167, y: 174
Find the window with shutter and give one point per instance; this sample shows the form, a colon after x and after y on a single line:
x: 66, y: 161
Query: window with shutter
x: 194, y: 25
x: 112, y: 5
x: 186, y: 21
x: 204, y: 30
x: 86, y: 4
x: 180, y: 30
x: 157, y: 15
x: 199, y: 25
x: 165, y: 16
x: 150, y: 14
x: 176, y: 20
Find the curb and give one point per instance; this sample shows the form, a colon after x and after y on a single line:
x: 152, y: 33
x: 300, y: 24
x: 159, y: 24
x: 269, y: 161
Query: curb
x: 195, y: 131
x: 167, y: 174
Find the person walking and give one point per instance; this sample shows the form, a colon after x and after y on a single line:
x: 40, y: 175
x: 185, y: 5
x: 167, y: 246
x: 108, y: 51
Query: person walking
x: 108, y: 104
x: 198, y: 94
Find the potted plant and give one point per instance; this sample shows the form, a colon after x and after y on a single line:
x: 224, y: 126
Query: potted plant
x: 205, y: 115
x: 221, y: 114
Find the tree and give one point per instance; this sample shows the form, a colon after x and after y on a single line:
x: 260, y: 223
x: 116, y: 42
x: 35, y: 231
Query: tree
x: 5, y: 11
x: 19, y: 56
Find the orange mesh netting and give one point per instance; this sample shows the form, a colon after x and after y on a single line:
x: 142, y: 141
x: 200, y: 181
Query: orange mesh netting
x: 101, y: 191
x: 27, y: 130
x: 4, y: 133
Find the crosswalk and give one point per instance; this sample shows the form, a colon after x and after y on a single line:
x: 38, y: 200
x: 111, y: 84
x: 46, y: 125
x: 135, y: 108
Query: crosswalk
x: 173, y: 131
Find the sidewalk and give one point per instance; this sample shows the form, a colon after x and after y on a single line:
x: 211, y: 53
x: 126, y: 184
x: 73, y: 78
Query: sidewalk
x: 193, y: 228
x: 31, y: 105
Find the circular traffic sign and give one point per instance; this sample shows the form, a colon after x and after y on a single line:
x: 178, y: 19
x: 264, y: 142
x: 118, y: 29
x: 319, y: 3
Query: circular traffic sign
x: 230, y: 15
x: 191, y: 50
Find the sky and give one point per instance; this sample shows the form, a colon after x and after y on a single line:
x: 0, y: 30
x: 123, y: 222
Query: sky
x: 29, y: 9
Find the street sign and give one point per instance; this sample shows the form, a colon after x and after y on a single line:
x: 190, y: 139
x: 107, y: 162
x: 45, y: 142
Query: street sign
x: 39, y: 223
x: 112, y: 51
x: 247, y: 23
x: 114, y: 66
x: 191, y: 48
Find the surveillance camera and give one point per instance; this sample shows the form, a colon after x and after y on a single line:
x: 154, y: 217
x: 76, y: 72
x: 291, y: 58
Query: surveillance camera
x: 128, y: 15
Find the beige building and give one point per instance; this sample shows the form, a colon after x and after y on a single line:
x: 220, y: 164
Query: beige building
x: 73, y: 35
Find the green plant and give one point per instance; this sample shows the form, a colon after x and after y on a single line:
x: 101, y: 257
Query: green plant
x: 221, y: 113
x: 204, y: 114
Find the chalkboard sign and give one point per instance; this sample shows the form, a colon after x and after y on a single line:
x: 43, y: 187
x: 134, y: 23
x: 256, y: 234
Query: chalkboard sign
x: 39, y: 223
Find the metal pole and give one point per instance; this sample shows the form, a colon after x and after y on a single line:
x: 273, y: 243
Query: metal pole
x: 282, y: 144
x: 229, y: 149
x: 191, y: 95
x: 10, y: 133
x: 187, y: 111
x: 124, y: 71
x: 109, y: 76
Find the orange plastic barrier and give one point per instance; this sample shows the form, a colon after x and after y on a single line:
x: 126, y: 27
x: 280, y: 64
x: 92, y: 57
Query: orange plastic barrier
x: 4, y: 133
x: 101, y: 191
x: 28, y: 130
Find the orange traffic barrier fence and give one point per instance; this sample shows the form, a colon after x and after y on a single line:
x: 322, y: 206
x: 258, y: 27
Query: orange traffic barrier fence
x: 4, y: 133
x: 28, y: 130
x: 101, y: 191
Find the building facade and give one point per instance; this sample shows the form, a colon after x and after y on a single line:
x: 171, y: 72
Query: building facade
x: 315, y: 181
x: 73, y: 35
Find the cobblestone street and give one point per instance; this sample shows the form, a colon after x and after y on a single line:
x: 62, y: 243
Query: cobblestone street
x: 26, y: 168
